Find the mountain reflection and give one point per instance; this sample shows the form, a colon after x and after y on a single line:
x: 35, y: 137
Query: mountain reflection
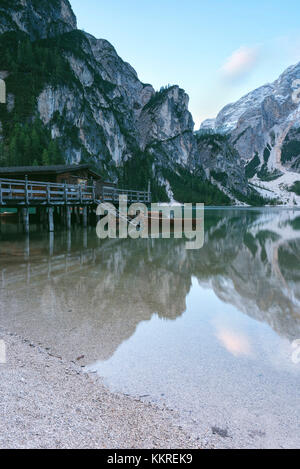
x: 90, y: 295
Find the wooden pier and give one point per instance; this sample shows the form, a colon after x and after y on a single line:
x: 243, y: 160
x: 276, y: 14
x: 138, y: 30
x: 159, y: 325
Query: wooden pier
x: 61, y: 201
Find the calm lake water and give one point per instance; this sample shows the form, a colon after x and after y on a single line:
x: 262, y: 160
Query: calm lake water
x: 207, y: 333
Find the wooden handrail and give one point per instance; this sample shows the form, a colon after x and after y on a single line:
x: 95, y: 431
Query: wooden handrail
x: 27, y: 192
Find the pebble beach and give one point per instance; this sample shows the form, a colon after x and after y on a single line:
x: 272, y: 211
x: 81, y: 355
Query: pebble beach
x: 50, y: 403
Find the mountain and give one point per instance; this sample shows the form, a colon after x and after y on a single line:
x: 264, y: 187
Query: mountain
x: 222, y: 164
x: 264, y: 128
x: 71, y: 98
x: 38, y: 18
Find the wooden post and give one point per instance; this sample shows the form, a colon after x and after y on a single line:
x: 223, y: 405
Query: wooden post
x: 27, y: 248
x: 84, y: 217
x: 77, y: 214
x: 26, y: 190
x: 68, y: 217
x: 65, y: 193
x: 50, y: 219
x: 85, y: 239
x: 1, y: 198
x: 45, y: 217
x: 48, y: 194
x: 25, y: 213
x: 69, y: 241
x: 149, y: 191
x: 20, y: 219
x: 51, y: 244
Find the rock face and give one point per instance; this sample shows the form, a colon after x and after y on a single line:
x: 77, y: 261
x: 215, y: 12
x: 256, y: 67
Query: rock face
x: 39, y: 19
x: 117, y: 116
x: 102, y: 103
x: 166, y: 127
x: 102, y: 113
x: 222, y: 163
x: 264, y: 124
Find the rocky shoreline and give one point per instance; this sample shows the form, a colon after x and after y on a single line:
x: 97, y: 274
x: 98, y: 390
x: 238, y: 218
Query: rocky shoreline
x: 47, y: 402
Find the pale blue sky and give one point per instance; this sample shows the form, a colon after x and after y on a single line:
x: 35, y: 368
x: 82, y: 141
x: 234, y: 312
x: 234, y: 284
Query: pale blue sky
x: 217, y: 50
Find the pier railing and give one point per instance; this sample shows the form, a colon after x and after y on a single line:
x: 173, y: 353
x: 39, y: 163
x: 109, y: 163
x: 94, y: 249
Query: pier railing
x: 33, y: 193
x: 16, y: 192
x: 111, y: 194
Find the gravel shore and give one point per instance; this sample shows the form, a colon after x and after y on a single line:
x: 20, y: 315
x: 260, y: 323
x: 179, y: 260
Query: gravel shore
x: 47, y: 402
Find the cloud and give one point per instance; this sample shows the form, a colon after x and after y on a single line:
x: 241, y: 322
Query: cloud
x: 240, y: 63
x: 234, y: 342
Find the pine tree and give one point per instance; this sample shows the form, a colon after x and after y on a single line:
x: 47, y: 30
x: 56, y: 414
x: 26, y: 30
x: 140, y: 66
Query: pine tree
x: 45, y: 158
x: 13, y: 152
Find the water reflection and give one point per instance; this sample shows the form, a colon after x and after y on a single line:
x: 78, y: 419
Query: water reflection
x: 77, y: 292
x: 207, y: 331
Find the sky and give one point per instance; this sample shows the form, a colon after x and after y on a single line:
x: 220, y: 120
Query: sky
x: 216, y: 50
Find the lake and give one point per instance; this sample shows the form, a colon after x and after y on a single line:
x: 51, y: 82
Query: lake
x: 207, y: 333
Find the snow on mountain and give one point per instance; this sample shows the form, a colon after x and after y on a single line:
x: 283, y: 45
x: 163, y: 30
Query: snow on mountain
x: 264, y: 128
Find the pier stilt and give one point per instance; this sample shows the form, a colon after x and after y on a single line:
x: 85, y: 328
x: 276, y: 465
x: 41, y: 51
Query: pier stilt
x: 25, y: 214
x: 51, y: 244
x: 50, y: 219
x: 27, y: 248
x: 20, y: 219
x: 69, y: 241
x: 84, y: 217
x: 77, y: 215
x: 68, y: 217
x: 85, y: 239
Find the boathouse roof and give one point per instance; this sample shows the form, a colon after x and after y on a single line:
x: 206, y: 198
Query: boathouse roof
x: 54, y: 169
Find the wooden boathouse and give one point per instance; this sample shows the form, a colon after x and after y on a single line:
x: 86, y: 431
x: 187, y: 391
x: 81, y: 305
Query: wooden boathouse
x: 58, y: 192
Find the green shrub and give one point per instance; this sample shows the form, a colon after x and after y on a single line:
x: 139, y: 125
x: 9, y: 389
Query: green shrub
x: 290, y: 150
x: 136, y: 172
x: 252, y: 166
x: 188, y: 187
x: 221, y: 177
x: 295, y: 188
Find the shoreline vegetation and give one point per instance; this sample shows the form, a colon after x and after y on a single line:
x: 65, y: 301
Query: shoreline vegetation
x: 49, y: 403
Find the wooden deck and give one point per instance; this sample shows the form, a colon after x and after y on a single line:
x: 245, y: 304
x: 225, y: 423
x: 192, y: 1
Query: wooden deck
x: 60, y: 201
x: 16, y: 193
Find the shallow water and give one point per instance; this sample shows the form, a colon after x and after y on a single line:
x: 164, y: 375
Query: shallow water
x: 208, y: 333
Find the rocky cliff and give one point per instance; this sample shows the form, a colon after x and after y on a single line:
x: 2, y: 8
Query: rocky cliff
x: 264, y: 125
x: 222, y: 163
x: 264, y: 129
x: 72, y: 98
x: 38, y: 18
